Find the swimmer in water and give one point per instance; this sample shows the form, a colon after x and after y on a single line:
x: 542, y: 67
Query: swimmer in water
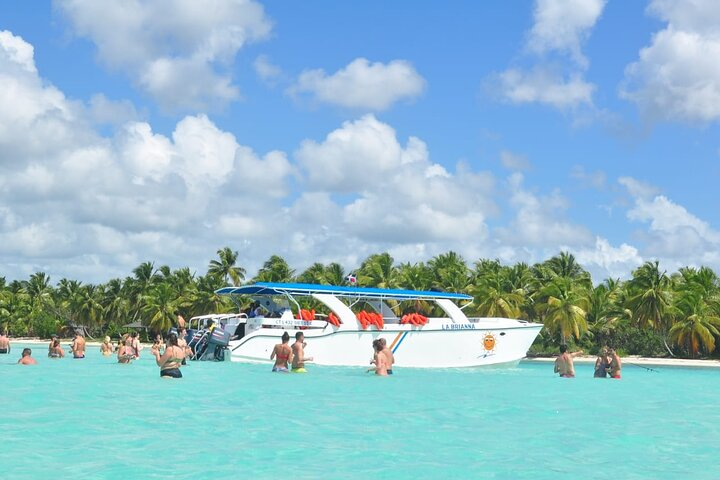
x: 298, y: 354
x: 78, y: 346
x: 282, y: 354
x: 564, y: 362
x: 4, y: 343
x: 27, y: 358
x: 56, y: 350
x: 381, y: 362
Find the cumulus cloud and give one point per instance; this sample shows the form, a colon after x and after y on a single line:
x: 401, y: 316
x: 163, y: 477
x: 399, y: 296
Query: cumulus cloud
x: 539, y: 220
x: 544, y: 86
x: 177, y: 51
x: 266, y: 70
x: 595, y: 179
x: 605, y: 261
x: 362, y: 85
x: 563, y: 26
x: 674, y: 235
x: 677, y: 76
x: 560, y: 27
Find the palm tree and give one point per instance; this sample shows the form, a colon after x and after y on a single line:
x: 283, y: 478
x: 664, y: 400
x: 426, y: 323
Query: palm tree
x: 315, y: 273
x: 495, y: 296
x: 226, y: 268
x: 378, y: 271
x: 275, y: 269
x: 450, y: 271
x: 698, y: 325
x: 335, y: 274
x: 160, y: 305
x: 414, y: 276
x: 650, y: 297
x: 564, y: 307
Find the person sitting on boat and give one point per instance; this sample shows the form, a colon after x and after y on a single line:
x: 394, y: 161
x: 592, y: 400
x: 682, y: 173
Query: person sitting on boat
x: 381, y: 363
x: 615, y: 364
x: 601, y: 364
x: 564, y: 363
x: 298, y: 354
x: 170, y: 361
x: 282, y: 354
x: 255, y: 310
x: 4, y: 343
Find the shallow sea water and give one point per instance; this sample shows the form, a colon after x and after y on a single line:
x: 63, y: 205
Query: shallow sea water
x: 94, y: 418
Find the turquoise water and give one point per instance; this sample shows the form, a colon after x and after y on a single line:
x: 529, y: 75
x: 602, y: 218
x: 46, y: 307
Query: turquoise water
x: 94, y: 418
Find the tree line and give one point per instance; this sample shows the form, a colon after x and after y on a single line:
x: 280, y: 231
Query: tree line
x: 652, y: 313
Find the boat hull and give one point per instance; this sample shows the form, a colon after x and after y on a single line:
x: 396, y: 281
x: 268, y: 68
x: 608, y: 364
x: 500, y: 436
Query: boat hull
x: 421, y: 347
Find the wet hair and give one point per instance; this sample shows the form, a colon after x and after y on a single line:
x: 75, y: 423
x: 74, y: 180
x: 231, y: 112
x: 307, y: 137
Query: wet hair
x: 377, y: 345
x: 382, y: 341
x: 172, y: 340
x: 285, y: 337
x: 299, y: 335
x: 26, y: 352
x: 563, y: 348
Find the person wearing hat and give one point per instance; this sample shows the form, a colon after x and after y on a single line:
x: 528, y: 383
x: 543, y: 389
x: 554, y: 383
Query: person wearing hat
x: 106, y: 347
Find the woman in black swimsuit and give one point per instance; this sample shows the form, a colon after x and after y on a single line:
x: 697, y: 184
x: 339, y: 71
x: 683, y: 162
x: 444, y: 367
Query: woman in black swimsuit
x: 171, y: 360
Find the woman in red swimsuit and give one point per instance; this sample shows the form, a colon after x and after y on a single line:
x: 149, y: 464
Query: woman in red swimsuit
x: 282, y: 354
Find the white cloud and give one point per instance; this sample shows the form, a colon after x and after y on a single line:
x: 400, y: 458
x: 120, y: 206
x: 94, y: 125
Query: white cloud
x: 544, y: 86
x: 605, y: 261
x: 14, y: 51
x: 560, y: 27
x: 104, y: 111
x: 514, y: 161
x: 674, y: 235
x: 539, y: 220
x: 266, y: 70
x: 677, y: 77
x: 362, y: 85
x: 596, y: 179
x: 177, y: 51
x: 563, y: 25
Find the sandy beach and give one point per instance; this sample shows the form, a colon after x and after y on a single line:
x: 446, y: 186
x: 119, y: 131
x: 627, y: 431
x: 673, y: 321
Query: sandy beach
x: 644, y: 361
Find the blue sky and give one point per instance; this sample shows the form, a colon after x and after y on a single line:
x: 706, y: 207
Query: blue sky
x: 326, y: 131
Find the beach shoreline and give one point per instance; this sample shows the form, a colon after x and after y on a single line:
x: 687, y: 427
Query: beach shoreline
x: 636, y: 360
x: 629, y: 360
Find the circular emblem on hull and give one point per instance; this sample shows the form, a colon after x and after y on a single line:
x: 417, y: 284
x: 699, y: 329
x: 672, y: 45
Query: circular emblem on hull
x: 489, y: 342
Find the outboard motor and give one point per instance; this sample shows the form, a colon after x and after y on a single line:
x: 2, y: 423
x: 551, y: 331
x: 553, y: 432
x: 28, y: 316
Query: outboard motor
x: 207, y: 345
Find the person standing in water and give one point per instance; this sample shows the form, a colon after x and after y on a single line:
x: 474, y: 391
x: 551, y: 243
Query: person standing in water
x: 27, y: 358
x: 56, y: 350
x: 282, y: 354
x: 389, y: 357
x: 615, y: 364
x: 106, y: 347
x: 381, y: 362
x: 170, y: 361
x: 601, y: 364
x: 4, y: 343
x: 78, y: 346
x: 564, y: 363
x: 298, y: 354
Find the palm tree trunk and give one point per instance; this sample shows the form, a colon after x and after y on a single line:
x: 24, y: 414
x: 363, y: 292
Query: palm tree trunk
x: 667, y: 347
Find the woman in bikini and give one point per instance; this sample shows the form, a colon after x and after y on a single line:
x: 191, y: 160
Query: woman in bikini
x: 282, y: 354
x: 170, y: 361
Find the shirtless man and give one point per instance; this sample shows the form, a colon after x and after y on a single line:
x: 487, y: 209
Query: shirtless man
x: 298, y: 356
x: 180, y: 320
x: 380, y: 359
x: 4, y: 343
x: 78, y: 346
x: 26, y: 358
x: 615, y: 364
x: 564, y: 363
x: 389, y: 357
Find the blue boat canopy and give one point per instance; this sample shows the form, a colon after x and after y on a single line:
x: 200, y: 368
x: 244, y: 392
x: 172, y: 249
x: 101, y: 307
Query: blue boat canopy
x: 305, y: 289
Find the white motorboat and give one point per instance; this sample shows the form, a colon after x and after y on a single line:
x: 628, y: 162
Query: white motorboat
x: 356, y: 316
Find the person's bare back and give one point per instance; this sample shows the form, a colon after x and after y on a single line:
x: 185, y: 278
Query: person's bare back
x: 564, y: 363
x: 78, y: 346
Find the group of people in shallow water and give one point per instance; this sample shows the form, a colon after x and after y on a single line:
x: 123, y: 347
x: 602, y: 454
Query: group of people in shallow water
x: 291, y: 358
x: 168, y: 357
x: 608, y: 363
